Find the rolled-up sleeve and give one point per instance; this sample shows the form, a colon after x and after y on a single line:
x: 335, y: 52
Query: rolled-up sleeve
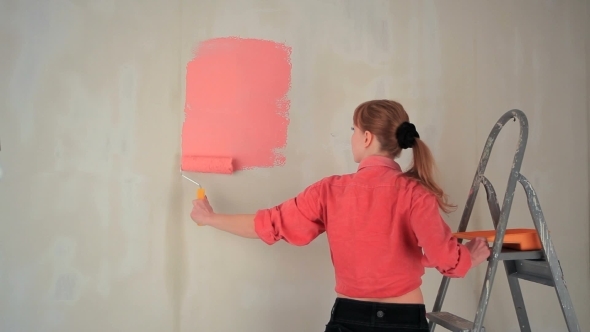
x: 297, y: 221
x: 441, y: 249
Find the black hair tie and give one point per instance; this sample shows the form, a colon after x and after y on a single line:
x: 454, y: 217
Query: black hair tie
x: 406, y: 135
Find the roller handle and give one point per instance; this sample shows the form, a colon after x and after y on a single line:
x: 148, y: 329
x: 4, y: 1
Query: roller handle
x: 200, y: 194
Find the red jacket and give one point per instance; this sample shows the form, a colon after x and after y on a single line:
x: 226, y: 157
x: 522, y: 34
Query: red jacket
x: 383, y: 229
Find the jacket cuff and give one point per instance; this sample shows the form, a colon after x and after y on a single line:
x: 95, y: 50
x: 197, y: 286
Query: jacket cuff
x: 263, y: 226
x: 464, y: 263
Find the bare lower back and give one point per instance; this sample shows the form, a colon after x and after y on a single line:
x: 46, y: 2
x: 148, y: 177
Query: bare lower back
x: 414, y: 297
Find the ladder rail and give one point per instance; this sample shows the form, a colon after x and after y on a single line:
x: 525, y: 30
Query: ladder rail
x: 513, y: 114
x: 503, y: 218
x: 495, y: 211
x: 492, y: 200
x: 485, y: 156
x: 509, y: 265
x: 565, y: 301
x: 494, y: 208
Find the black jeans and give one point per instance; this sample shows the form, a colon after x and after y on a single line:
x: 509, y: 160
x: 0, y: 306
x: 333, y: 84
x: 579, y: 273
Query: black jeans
x: 359, y: 316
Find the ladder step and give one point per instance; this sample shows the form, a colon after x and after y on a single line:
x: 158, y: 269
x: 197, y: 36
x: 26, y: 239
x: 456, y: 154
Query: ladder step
x: 512, y: 255
x: 534, y: 271
x: 451, y: 322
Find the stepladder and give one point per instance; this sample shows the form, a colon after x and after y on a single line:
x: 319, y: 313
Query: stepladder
x: 540, y: 266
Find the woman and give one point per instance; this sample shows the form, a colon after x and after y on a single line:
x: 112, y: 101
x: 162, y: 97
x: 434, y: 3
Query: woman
x: 383, y: 226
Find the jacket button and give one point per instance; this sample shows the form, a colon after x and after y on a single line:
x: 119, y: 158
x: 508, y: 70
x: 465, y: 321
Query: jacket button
x: 379, y: 313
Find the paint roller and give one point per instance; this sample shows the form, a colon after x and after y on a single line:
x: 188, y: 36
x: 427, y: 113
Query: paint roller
x: 202, y: 164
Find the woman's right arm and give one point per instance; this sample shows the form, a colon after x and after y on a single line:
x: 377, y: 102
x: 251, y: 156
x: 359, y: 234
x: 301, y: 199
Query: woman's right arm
x: 297, y: 221
x: 441, y: 249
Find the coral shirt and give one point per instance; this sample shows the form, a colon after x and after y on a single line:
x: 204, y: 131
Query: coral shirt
x: 383, y: 229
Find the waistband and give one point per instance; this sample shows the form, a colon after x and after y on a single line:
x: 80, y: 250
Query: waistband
x: 379, y: 314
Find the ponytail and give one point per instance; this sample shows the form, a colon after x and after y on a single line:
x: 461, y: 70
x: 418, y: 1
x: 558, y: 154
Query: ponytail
x: 388, y: 120
x: 422, y: 170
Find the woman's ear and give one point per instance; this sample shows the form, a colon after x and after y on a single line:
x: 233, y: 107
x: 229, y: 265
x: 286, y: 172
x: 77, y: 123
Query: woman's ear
x: 369, y: 137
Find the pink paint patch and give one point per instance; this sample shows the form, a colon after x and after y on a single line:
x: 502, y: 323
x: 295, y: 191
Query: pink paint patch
x: 236, y: 101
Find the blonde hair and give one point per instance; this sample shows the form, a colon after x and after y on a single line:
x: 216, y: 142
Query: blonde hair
x: 383, y: 119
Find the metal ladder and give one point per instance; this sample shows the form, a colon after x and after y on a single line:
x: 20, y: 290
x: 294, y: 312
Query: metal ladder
x: 540, y: 266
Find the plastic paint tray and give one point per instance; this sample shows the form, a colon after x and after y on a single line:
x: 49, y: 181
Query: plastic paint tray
x: 517, y: 238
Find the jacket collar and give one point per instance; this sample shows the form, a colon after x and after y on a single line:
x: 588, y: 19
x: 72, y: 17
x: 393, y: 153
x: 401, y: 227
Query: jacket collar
x: 372, y: 161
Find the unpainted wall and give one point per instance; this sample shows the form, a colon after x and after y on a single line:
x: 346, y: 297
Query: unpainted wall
x: 95, y: 233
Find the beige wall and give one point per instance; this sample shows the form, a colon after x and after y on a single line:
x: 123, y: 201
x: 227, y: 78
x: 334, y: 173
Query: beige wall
x: 588, y: 96
x: 95, y: 233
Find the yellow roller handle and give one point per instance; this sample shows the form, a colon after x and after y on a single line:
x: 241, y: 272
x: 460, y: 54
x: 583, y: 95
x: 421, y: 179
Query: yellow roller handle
x: 200, y: 193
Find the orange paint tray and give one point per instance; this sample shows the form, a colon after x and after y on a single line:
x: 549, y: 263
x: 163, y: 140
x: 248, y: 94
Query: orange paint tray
x: 517, y: 238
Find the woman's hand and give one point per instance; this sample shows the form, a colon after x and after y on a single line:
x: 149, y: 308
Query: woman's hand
x: 238, y: 224
x: 202, y: 212
x: 479, y: 250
